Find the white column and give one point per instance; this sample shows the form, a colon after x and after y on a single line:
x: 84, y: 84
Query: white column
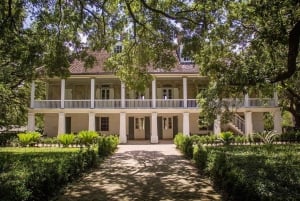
x: 122, y: 95
x: 32, y: 94
x: 185, y: 92
x: 61, y: 123
x: 62, y: 93
x: 31, y: 122
x: 92, y: 93
x: 277, y: 121
x: 154, y: 131
x: 123, y: 137
x: 217, y: 125
x: 248, y: 123
x: 246, y: 100
x: 275, y: 98
x: 186, y: 124
x: 154, y: 93
x: 92, y: 121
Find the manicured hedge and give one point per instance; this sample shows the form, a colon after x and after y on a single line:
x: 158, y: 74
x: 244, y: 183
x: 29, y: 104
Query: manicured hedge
x: 38, y: 173
x: 6, y: 138
x: 107, y: 145
x: 253, y: 172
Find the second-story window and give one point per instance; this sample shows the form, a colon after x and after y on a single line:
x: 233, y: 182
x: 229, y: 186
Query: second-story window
x: 118, y: 49
x: 105, y: 92
x: 167, y: 93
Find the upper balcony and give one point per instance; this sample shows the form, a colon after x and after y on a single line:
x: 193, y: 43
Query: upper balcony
x: 110, y: 93
x: 148, y: 103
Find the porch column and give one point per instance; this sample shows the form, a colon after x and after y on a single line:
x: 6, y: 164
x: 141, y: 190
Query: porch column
x: 277, y: 121
x: 62, y: 93
x: 123, y: 95
x: 186, y: 124
x: 92, y: 93
x: 154, y: 131
x: 32, y: 94
x: 61, y: 123
x: 92, y: 121
x: 184, y: 92
x: 154, y: 93
x: 248, y: 123
x: 217, y: 125
x: 31, y: 122
x: 246, y: 100
x: 275, y: 97
x: 123, y: 137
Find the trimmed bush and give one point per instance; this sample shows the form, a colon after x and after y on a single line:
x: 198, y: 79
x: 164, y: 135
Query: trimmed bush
x: 107, y: 145
x: 178, y: 140
x: 200, y: 156
x: 6, y: 138
x: 253, y: 172
x: 35, y: 174
x: 226, y: 137
x: 88, y: 138
x: 66, y: 139
x: 28, y: 138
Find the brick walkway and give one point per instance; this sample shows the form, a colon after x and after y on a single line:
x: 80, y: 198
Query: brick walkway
x: 142, y: 172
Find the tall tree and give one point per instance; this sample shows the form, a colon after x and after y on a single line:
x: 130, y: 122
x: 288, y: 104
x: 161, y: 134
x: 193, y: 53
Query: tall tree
x: 238, y: 44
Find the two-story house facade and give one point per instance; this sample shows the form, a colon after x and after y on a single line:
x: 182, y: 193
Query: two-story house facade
x: 93, y: 99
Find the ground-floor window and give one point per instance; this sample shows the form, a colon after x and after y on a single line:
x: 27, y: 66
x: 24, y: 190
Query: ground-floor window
x: 104, y: 124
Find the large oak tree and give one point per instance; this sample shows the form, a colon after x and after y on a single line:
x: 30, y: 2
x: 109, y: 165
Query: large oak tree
x: 240, y: 45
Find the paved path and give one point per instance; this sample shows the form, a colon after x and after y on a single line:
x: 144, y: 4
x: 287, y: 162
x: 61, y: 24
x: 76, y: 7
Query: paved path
x: 142, y: 172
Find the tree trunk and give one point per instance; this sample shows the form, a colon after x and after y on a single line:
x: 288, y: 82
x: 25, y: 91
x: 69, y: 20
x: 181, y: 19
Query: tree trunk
x: 297, y: 115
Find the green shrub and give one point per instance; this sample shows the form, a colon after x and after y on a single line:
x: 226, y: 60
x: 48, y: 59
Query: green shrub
x: 88, y: 137
x: 6, y: 138
x: 253, y: 172
x: 240, y: 139
x: 28, y: 138
x: 34, y: 174
x: 226, y: 137
x: 107, y: 145
x: 290, y: 136
x: 267, y: 137
x: 200, y: 156
x: 178, y: 140
x: 187, y: 147
x: 66, y: 139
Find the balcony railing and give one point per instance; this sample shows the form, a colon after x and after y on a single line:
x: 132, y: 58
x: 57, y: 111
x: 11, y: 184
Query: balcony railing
x: 147, y: 103
x: 47, y: 104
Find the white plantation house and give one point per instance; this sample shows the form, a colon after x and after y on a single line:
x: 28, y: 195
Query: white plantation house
x: 93, y: 99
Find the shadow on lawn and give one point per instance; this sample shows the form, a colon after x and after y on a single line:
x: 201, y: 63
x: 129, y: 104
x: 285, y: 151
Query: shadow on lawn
x: 141, y: 175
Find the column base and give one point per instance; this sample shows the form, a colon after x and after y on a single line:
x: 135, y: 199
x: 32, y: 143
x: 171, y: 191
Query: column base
x: 123, y: 139
x: 154, y: 139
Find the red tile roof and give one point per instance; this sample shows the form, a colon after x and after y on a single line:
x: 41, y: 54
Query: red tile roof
x: 77, y: 67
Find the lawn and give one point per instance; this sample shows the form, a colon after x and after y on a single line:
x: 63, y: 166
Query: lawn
x: 38, y: 173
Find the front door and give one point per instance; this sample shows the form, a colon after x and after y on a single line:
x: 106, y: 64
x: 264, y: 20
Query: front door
x: 175, y: 125
x: 131, y: 128
x: 159, y: 128
x: 147, y: 128
x: 68, y: 125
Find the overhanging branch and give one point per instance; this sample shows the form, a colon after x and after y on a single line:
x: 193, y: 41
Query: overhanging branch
x: 294, y: 39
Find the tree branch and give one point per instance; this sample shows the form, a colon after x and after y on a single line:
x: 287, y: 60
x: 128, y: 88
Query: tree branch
x: 294, y: 39
x: 166, y: 14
